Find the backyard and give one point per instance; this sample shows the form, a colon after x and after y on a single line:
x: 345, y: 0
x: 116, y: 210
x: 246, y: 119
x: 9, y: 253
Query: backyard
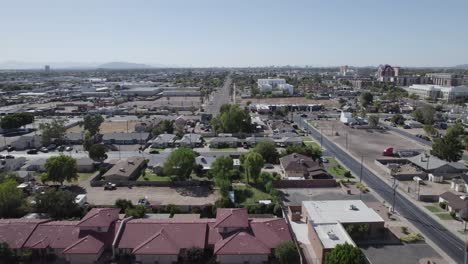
x: 151, y: 176
x: 246, y: 194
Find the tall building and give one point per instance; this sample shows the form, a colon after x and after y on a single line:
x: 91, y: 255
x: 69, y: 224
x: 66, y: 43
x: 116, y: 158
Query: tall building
x: 445, y: 79
x: 343, y: 70
x: 386, y: 73
x: 47, y: 68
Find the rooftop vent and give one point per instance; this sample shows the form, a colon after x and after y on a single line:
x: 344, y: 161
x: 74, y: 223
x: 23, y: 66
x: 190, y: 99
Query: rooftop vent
x: 122, y: 169
x: 332, y: 235
x: 131, y: 162
x: 353, y: 207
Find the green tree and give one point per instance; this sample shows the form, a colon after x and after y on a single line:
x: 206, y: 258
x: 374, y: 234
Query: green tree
x: 92, y: 123
x: 345, y: 253
x: 6, y: 254
x: 98, y: 152
x: 165, y: 126
x: 16, y: 120
x: 58, y: 204
x: 253, y: 164
x: 456, y: 130
x: 268, y: 151
x: 88, y: 140
x: 53, y: 131
x: 425, y: 115
x: 308, y: 150
x: 123, y: 204
x: 448, y: 148
x: 373, y: 121
x: 366, y: 99
x: 398, y: 119
x: 180, y: 163
x: 222, y: 171
x: 414, y: 96
x: 232, y: 119
x: 286, y: 253
x: 194, y: 255
x: 429, y: 129
x: 11, y: 199
x: 138, y: 211
x: 61, y: 168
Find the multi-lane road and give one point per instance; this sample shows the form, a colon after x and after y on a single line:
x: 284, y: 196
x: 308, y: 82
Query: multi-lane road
x: 430, y: 228
x: 219, y: 97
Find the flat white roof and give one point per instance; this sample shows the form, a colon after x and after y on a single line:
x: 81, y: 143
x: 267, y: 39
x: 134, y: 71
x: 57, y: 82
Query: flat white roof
x: 332, y: 234
x: 344, y: 211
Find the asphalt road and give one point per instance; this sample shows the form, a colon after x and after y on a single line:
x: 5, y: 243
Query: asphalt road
x: 220, y: 97
x: 429, y: 227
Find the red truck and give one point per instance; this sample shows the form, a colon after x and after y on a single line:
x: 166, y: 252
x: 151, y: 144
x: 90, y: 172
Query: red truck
x: 388, y: 152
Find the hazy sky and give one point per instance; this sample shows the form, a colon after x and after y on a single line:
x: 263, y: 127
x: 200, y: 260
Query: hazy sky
x: 237, y: 32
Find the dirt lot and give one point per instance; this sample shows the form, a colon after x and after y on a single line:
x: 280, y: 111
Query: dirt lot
x: 111, y: 126
x: 164, y: 102
x: 155, y: 195
x: 289, y: 100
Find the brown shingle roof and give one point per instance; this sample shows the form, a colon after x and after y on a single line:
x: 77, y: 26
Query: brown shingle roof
x: 231, y: 217
x: 454, y: 200
x: 99, y: 217
x: 125, y: 168
x: 85, y: 245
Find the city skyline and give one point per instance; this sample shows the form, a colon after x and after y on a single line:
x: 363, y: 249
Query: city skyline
x: 237, y: 34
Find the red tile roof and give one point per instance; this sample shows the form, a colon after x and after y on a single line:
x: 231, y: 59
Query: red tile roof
x: 161, y: 243
x: 16, y: 232
x: 100, y: 217
x: 270, y: 231
x: 56, y: 234
x: 184, y: 234
x: 241, y: 243
x: 232, y: 217
x: 85, y: 245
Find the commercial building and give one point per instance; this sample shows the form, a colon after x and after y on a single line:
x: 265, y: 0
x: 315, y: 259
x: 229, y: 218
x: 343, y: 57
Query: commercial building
x: 445, y: 79
x: 125, y: 170
x: 275, y: 86
x: 329, y: 223
x: 446, y: 93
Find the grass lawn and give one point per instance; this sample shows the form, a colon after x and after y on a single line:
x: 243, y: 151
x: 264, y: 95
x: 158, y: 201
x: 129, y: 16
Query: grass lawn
x: 150, y: 176
x: 250, y: 195
x: 335, y: 169
x: 434, y: 208
x: 83, y: 176
x: 444, y: 216
x: 311, y: 143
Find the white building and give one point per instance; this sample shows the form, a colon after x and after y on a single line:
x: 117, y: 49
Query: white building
x: 269, y: 85
x: 449, y: 93
x: 347, y: 118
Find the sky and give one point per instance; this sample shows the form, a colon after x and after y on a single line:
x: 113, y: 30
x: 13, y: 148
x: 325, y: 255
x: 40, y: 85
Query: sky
x: 205, y: 33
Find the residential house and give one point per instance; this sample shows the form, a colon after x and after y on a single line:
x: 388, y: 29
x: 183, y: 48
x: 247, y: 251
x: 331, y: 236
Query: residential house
x: 224, y: 142
x: 35, y: 165
x: 163, y: 141
x: 85, y: 164
x: 190, y: 140
x: 288, y: 141
x: 126, y: 170
x: 297, y: 166
x: 253, y: 141
x: 74, y: 138
x: 454, y: 202
x: 460, y: 184
x: 233, y: 237
x: 437, y: 167
x: 27, y: 142
x: 125, y: 138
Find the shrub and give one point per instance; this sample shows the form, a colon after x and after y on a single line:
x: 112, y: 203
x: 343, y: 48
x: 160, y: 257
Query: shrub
x: 194, y: 255
x: 412, y: 237
x: 286, y: 253
x: 453, y: 215
x: 404, y: 230
x: 443, y: 205
x: 348, y: 174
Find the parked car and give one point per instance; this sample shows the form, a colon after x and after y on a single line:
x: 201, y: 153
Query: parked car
x: 406, y: 127
x: 109, y: 186
x: 2, y: 157
x: 31, y: 151
x: 43, y: 150
x: 269, y: 166
x: 303, y: 115
x: 61, y: 148
x: 9, y: 157
x: 144, y: 202
x: 69, y: 148
x: 10, y: 148
x: 323, y: 160
x: 154, y: 151
x: 51, y: 147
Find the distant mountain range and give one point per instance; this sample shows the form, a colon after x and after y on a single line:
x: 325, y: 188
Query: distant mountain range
x: 123, y: 65
x: 118, y: 65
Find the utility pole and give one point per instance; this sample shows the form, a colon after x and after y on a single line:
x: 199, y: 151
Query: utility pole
x: 394, y: 187
x: 346, y: 140
x: 362, y: 161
